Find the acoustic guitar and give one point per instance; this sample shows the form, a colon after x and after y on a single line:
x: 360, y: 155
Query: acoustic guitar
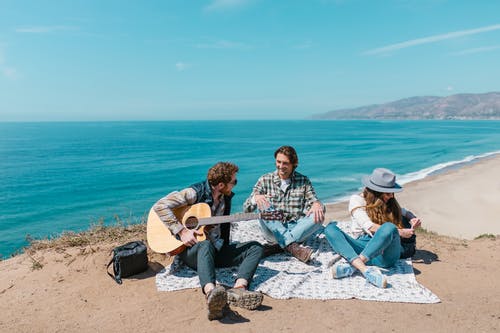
x: 197, y: 216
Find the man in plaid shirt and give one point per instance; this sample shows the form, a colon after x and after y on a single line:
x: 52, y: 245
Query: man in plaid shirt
x: 292, y: 193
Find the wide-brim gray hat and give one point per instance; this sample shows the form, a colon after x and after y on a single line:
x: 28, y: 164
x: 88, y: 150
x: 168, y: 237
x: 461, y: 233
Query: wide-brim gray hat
x: 382, y: 180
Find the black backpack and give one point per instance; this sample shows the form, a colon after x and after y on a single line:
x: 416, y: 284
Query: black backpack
x: 128, y: 260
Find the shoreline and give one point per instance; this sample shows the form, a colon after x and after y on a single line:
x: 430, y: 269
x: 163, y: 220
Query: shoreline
x: 454, y: 199
x: 433, y: 170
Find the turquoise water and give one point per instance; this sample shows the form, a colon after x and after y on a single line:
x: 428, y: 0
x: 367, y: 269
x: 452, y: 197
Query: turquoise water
x: 66, y: 176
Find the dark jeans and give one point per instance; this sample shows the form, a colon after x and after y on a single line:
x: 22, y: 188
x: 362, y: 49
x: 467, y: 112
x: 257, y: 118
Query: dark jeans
x: 203, y: 257
x: 408, y: 245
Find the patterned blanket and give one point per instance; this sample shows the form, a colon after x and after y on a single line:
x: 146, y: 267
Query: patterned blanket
x: 282, y: 276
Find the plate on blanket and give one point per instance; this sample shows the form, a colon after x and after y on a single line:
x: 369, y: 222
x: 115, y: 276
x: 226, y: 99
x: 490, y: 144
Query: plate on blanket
x: 282, y: 276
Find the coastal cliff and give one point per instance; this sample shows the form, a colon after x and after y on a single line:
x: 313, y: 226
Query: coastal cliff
x: 460, y: 106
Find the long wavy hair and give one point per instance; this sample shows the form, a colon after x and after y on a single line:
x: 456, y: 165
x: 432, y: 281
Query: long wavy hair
x: 379, y: 211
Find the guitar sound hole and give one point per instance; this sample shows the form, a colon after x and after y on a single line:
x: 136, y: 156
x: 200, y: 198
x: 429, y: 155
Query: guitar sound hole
x: 191, y: 222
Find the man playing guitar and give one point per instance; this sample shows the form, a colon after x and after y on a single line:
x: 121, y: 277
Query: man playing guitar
x: 205, y: 255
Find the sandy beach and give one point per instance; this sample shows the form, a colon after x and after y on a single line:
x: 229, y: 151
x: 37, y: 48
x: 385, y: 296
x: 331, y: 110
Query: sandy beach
x: 68, y: 290
x: 462, y: 203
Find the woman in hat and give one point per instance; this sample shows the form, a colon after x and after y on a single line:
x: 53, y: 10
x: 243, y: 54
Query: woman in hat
x: 381, y: 230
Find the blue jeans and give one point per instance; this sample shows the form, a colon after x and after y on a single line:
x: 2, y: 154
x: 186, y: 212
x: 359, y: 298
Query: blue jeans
x: 285, y: 233
x: 204, y: 258
x: 383, y: 249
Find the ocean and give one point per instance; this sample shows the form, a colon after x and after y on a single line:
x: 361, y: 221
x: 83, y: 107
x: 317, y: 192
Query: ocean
x: 66, y: 176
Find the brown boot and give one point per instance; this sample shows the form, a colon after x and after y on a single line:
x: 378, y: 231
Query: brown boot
x: 301, y: 252
x: 243, y: 298
x: 216, y: 302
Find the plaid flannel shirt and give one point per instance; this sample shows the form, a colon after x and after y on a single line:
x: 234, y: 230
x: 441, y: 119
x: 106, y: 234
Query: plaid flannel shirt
x: 294, y: 202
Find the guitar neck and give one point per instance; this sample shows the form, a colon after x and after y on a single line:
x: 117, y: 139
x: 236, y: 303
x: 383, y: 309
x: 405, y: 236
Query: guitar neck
x: 227, y: 218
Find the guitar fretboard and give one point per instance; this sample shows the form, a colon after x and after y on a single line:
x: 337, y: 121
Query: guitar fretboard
x: 227, y: 218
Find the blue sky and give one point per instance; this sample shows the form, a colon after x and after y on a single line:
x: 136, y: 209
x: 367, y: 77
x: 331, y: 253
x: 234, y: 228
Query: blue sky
x: 237, y: 59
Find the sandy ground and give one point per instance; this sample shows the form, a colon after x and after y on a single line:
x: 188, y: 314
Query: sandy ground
x: 462, y: 203
x: 68, y: 290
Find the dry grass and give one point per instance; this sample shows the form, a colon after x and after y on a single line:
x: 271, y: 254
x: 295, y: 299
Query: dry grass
x: 97, y: 234
x: 98, y: 237
x: 486, y: 236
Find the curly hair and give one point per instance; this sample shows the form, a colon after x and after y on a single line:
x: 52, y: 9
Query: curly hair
x: 221, y: 172
x: 380, y: 211
x: 289, y: 152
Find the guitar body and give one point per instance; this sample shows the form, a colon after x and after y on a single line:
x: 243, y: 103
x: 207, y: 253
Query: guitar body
x: 161, y: 240
x: 197, y: 216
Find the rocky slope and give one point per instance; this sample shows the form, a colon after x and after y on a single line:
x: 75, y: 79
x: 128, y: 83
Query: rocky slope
x: 460, y: 106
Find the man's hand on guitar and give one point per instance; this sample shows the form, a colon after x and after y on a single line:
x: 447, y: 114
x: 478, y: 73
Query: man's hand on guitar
x: 188, y: 236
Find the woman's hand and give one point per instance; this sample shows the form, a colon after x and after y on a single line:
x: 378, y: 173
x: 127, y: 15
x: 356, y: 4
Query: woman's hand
x: 415, y: 223
x: 406, y: 233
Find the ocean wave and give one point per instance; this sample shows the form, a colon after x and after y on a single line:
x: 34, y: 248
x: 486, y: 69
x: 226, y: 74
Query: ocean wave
x: 442, y: 167
x: 417, y: 175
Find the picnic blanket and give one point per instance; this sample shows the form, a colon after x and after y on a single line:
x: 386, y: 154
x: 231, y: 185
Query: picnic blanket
x: 282, y: 276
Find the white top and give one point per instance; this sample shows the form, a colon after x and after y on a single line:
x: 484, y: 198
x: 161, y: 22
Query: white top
x: 285, y: 183
x: 361, y: 222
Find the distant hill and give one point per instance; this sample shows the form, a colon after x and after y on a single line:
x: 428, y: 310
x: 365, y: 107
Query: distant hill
x: 460, y: 106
